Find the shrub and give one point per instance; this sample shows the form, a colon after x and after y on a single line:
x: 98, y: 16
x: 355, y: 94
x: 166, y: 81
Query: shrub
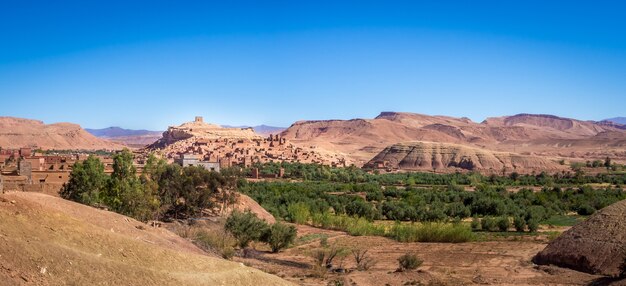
x: 519, y: 223
x: 488, y: 224
x: 280, y: 236
x: 431, y: 232
x: 222, y: 243
x: 586, y: 210
x: 503, y: 223
x: 533, y: 225
x: 409, y: 261
x: 362, y: 259
x: 475, y: 224
x: 299, y: 213
x: 246, y: 227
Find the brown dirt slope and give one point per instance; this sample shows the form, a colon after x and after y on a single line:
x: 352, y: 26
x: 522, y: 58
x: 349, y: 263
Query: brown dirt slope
x: 437, y: 156
x: 596, y: 245
x: 46, y: 240
x: 544, y: 135
x: 19, y: 132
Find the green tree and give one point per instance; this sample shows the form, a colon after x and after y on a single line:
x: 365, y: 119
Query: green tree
x: 126, y: 194
x: 246, y: 227
x: 503, y: 223
x: 299, y: 213
x: 280, y: 236
x: 86, y: 183
x: 519, y: 223
x: 533, y: 225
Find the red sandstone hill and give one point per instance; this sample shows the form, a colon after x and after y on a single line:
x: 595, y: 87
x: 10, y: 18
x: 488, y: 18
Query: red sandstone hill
x: 19, y: 132
x: 526, y: 134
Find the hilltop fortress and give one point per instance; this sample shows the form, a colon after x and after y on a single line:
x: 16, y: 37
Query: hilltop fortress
x: 229, y: 147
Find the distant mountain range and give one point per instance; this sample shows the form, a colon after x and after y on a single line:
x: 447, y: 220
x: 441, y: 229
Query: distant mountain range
x: 618, y: 120
x: 261, y: 129
x: 129, y: 137
x: 112, y: 132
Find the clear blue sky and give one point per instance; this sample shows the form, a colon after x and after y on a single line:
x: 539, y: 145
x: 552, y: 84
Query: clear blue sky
x: 154, y: 63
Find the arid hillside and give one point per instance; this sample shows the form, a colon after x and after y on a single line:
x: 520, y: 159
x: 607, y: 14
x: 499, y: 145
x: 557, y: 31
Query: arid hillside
x: 19, y: 132
x: 429, y: 156
x: 46, y: 240
x: 525, y: 134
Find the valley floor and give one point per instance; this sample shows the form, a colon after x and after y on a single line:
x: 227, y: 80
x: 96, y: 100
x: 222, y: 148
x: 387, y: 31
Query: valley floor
x: 502, y: 262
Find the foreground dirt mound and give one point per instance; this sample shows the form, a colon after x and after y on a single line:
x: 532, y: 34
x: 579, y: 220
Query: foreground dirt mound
x: 19, y: 132
x: 595, y: 246
x: 46, y: 240
x: 437, y: 156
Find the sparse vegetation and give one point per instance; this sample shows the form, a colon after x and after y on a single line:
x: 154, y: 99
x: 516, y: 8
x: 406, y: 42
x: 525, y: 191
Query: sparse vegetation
x: 362, y: 259
x: 246, y: 227
x: 280, y: 236
x: 409, y: 261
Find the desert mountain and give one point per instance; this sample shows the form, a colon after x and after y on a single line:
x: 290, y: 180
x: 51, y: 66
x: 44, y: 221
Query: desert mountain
x: 526, y: 134
x: 19, y: 132
x: 129, y: 137
x: 618, y: 120
x: 46, y: 240
x: 594, y: 246
x: 112, y: 132
x: 428, y: 156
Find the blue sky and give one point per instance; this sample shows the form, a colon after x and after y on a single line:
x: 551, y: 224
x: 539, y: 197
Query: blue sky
x: 150, y: 64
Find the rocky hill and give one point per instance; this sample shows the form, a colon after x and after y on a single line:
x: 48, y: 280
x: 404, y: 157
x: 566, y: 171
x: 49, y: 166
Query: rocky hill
x: 19, y: 132
x: 46, y: 240
x: 429, y: 156
x: 594, y: 246
x: 528, y: 134
x: 198, y: 129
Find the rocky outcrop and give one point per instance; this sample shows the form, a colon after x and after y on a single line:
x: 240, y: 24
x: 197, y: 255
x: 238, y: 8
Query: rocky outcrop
x: 200, y: 130
x: 438, y: 156
x: 19, y: 132
x: 597, y: 245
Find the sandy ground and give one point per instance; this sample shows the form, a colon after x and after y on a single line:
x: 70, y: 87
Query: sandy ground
x: 506, y: 262
x: 46, y: 240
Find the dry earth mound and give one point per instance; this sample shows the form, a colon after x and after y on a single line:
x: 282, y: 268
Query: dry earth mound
x: 19, y: 132
x: 595, y: 246
x: 437, y: 156
x: 46, y: 240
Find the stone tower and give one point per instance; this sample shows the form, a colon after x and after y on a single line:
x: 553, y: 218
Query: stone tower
x: 199, y: 119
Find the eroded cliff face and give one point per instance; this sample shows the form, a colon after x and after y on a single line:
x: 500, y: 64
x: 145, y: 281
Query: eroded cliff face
x: 439, y: 156
x: 527, y: 134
